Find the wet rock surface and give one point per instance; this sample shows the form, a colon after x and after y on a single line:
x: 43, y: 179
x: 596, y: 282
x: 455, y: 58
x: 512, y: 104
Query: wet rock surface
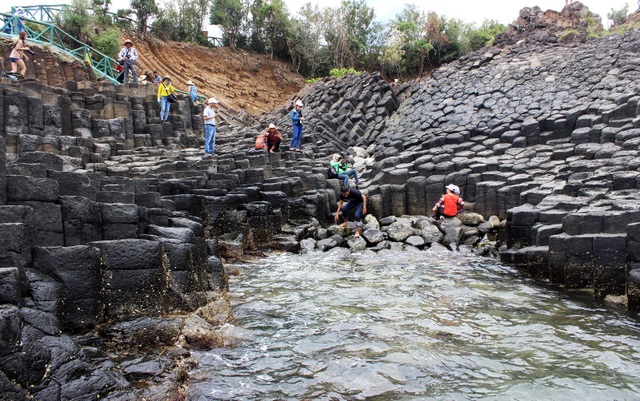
x: 113, y: 222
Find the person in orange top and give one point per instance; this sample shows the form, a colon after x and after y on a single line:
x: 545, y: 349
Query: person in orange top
x: 449, y: 204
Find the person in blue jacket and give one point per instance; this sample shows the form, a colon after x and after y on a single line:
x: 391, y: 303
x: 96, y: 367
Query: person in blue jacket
x: 193, y: 91
x: 296, y: 121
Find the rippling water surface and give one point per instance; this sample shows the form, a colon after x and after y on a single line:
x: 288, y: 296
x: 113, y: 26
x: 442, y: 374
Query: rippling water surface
x: 414, y: 326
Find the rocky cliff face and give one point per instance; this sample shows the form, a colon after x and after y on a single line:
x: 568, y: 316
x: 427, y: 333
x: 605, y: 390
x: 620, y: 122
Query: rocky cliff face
x: 109, y: 215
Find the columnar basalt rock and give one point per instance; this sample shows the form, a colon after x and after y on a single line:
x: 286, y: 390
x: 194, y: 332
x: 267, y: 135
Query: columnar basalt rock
x: 542, y: 140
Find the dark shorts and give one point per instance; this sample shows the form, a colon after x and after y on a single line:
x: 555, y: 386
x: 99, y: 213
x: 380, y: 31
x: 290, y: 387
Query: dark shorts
x: 13, y: 59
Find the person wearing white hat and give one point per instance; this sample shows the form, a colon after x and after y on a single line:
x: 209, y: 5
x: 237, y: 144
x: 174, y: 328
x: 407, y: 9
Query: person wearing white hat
x: 209, y: 115
x: 296, y: 121
x: 193, y: 91
x: 449, y: 204
x: 274, y: 137
x: 128, y: 56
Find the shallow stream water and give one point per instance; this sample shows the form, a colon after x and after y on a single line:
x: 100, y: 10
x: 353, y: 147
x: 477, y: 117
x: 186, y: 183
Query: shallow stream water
x: 414, y: 326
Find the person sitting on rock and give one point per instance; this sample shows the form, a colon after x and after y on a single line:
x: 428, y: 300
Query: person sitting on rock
x: 356, y: 200
x: 449, y: 204
x: 274, y: 137
x: 343, y: 171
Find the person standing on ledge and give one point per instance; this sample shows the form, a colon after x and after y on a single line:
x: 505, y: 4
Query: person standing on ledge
x: 209, y: 115
x: 296, y: 121
x: 356, y: 200
x: 157, y: 78
x: 128, y: 56
x: 193, y: 91
x: 165, y: 89
x: 449, y: 204
x: 17, y: 56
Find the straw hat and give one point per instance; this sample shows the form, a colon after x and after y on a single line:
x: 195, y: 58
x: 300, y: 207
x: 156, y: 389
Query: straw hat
x: 272, y: 126
x: 189, y: 82
x: 212, y: 100
x: 142, y: 78
x: 128, y: 41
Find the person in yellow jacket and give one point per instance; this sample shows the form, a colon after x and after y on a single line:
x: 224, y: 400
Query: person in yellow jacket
x: 165, y: 90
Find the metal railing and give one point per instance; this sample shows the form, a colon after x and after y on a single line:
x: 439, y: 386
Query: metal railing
x: 50, y: 35
x: 45, y: 33
x: 43, y: 13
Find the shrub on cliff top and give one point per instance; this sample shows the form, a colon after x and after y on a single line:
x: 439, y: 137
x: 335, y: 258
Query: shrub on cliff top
x: 340, y: 72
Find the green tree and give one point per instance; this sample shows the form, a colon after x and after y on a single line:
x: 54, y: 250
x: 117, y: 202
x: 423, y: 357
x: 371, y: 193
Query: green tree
x: 144, y: 9
x: 475, y: 38
x: 305, y: 39
x: 409, y: 32
x: 619, y: 16
x: 77, y: 21
x: 275, y: 17
x: 230, y: 15
x: 349, y: 32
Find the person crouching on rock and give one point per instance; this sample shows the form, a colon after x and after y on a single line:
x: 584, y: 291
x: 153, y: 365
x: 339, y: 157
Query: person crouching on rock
x: 274, y: 137
x: 342, y: 169
x: 209, y: 116
x: 449, y: 204
x: 356, y: 200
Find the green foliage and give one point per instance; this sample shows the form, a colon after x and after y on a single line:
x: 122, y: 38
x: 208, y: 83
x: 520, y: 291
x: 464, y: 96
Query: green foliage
x: 182, y: 21
x: 107, y: 42
x: 312, y: 80
x: 77, y: 21
x: 473, y: 38
x: 144, y: 10
x: 567, y: 32
x: 594, y: 27
x: 230, y: 15
x: 619, y: 16
x: 340, y: 72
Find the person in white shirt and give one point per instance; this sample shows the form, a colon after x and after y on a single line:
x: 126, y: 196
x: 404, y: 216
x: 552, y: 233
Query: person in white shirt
x: 209, y: 115
x: 128, y: 56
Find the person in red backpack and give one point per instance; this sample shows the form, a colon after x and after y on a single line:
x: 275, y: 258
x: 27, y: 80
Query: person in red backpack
x: 449, y: 204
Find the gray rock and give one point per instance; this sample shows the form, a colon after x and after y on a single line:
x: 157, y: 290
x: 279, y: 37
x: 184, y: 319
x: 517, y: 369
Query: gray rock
x: 470, y: 218
x: 452, y: 228
x: 357, y: 244
x: 370, y: 219
x: 386, y: 221
x: 326, y: 244
x: 307, y: 245
x: 340, y: 230
x: 399, y: 231
x: 431, y: 234
x: 373, y: 236
x: 415, y: 241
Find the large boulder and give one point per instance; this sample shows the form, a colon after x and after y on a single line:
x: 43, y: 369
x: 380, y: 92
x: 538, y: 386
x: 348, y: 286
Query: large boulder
x: 399, y: 231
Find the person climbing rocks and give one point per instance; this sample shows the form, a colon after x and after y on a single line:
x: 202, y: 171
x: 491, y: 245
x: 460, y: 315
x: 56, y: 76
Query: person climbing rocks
x: 17, y: 56
x: 274, y: 137
x: 164, y: 91
x: 296, y: 121
x: 193, y: 91
x: 343, y: 171
x: 157, y: 78
x: 449, y: 204
x: 128, y: 56
x: 209, y: 115
x: 356, y: 200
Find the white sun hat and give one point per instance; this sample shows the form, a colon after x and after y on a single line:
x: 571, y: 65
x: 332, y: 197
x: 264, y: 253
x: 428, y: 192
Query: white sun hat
x: 213, y: 100
x: 299, y: 103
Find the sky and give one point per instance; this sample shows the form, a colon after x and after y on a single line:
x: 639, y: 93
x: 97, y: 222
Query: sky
x: 505, y: 11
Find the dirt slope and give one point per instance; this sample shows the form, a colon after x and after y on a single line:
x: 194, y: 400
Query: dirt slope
x: 240, y: 80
